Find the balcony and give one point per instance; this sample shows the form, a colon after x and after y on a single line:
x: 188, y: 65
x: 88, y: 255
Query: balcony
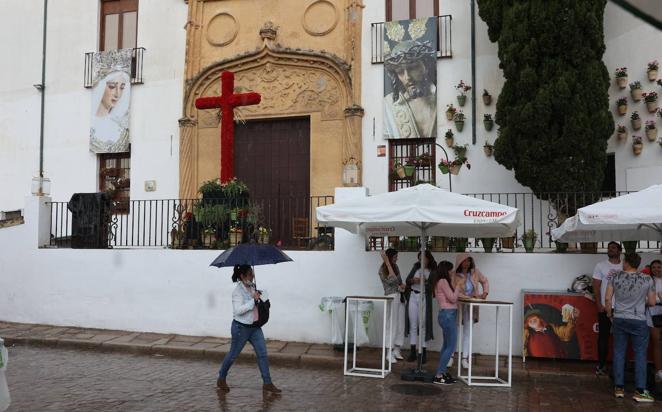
x: 136, y: 67
x: 444, y: 38
x: 190, y: 223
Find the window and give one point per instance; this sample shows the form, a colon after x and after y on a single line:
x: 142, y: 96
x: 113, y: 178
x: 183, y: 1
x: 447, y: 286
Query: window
x: 417, y: 158
x: 114, y: 179
x: 411, y: 9
x: 119, y: 24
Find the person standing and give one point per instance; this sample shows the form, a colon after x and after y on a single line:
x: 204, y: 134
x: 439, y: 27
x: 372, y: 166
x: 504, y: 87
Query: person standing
x: 417, y: 297
x: 389, y: 274
x: 474, y: 285
x: 446, y: 295
x: 601, y: 274
x: 244, y: 329
x: 656, y: 273
x: 631, y: 292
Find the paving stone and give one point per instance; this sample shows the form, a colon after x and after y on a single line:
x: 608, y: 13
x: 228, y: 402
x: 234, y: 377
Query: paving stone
x: 184, y: 338
x: 84, y: 335
x: 296, y: 347
x: 125, y: 338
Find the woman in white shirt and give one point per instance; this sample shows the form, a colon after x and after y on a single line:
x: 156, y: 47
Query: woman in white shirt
x: 244, y: 329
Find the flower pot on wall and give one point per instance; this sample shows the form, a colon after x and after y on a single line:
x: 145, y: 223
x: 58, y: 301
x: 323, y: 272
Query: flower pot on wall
x: 636, y: 124
x: 651, y: 134
x: 637, y: 148
x: 652, y: 75
x: 450, y: 141
x: 459, y: 124
x: 489, y: 150
x: 455, y: 169
x: 622, y: 109
x: 488, y: 124
x: 449, y: 116
x: 636, y: 94
x: 487, y: 99
x: 400, y: 171
x: 622, y: 82
x: 651, y: 106
x: 409, y: 170
x: 461, y: 100
x: 622, y: 135
x: 444, y: 169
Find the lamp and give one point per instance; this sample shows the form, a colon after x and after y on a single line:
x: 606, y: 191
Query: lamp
x: 350, y: 173
x: 41, y: 186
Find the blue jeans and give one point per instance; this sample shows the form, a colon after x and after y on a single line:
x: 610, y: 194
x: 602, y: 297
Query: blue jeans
x: 447, y: 319
x: 637, y: 330
x: 240, y: 335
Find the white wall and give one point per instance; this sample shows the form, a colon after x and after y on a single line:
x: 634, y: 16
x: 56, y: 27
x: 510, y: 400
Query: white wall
x: 72, y: 31
x: 176, y: 291
x: 629, y: 43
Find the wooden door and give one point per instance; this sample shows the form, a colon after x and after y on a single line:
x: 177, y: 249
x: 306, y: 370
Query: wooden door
x: 273, y: 158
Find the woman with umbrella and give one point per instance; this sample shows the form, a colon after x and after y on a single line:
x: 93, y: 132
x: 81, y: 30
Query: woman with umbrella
x: 245, y: 329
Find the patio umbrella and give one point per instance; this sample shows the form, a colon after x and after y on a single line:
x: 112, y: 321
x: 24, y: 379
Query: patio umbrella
x: 422, y: 210
x: 635, y: 216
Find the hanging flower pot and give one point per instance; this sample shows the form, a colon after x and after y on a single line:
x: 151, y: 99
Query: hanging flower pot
x: 621, y: 133
x: 443, y: 167
x: 488, y: 122
x: 409, y: 170
x: 651, y: 106
x: 455, y: 168
x: 635, y: 120
x: 622, y: 77
x: 651, y: 131
x: 488, y: 149
x: 459, y: 125
x: 487, y: 98
x: 462, y: 88
x: 400, y: 171
x: 450, y: 141
x: 450, y: 112
x: 652, y: 75
x: 461, y: 100
x: 637, y: 145
x: 622, y: 106
x: 636, y: 94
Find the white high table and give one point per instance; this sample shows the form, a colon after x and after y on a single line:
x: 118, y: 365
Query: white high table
x: 386, y: 340
x: 495, y: 380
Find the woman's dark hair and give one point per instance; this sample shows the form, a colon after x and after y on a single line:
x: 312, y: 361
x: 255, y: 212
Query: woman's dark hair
x: 658, y: 261
x: 432, y: 264
x: 472, y: 265
x: 390, y: 252
x: 442, y: 271
x: 240, y: 270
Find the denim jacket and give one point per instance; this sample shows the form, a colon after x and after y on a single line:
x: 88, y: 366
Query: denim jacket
x: 242, y: 304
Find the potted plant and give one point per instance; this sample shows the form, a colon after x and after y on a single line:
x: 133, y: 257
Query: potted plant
x: 637, y: 145
x: 262, y: 235
x: 444, y: 167
x: 235, y: 191
x: 399, y: 170
x: 622, y: 106
x: 462, y: 89
x: 458, y: 244
x: 460, y: 159
x: 622, y: 77
x: 630, y: 246
x: 208, y: 237
x: 236, y: 235
x: 652, y: 70
x: 450, y: 112
x: 410, y: 167
x: 487, y: 97
x: 210, y: 215
x: 621, y: 132
x: 529, y: 240
x: 449, y: 138
x: 635, y: 90
x: 212, y: 189
x: 659, y: 82
x: 651, y: 130
x: 635, y: 120
x: 488, y: 244
x: 488, y: 122
x: 651, y: 101
x: 458, y: 118
x: 488, y: 149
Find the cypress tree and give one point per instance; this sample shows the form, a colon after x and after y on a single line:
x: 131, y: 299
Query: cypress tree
x: 553, y: 112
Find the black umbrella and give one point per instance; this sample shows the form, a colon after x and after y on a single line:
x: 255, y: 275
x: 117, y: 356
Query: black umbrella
x: 251, y: 254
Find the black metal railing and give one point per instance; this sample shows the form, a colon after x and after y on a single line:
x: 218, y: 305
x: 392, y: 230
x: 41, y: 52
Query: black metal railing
x: 444, y: 39
x: 538, y: 213
x: 136, y: 67
x: 193, y: 224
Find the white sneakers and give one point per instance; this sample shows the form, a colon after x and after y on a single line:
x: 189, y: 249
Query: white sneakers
x: 396, y: 353
x: 465, y: 363
x: 393, y: 360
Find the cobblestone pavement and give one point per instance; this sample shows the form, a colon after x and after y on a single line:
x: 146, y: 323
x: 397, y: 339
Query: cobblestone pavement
x: 52, y: 379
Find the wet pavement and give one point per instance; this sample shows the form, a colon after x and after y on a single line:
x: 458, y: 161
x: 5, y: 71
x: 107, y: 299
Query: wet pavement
x: 56, y: 379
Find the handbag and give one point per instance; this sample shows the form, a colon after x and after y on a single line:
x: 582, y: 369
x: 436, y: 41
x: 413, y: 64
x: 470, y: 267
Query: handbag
x: 262, y: 312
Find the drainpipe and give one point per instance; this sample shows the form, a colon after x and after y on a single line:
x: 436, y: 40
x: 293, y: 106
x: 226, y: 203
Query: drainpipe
x: 40, y: 185
x: 473, y: 71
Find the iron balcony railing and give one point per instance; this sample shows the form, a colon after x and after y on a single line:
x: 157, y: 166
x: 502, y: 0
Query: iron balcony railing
x: 190, y: 223
x: 444, y: 39
x: 539, y: 213
x: 136, y: 67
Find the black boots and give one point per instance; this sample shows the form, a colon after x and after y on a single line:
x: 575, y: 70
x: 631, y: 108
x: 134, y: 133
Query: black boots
x: 425, y: 356
x: 412, y: 354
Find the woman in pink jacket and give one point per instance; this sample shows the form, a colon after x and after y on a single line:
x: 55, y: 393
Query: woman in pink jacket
x: 446, y: 292
x: 473, y: 285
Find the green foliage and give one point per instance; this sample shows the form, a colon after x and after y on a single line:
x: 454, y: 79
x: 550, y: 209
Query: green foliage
x: 210, y: 215
x: 553, y: 112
